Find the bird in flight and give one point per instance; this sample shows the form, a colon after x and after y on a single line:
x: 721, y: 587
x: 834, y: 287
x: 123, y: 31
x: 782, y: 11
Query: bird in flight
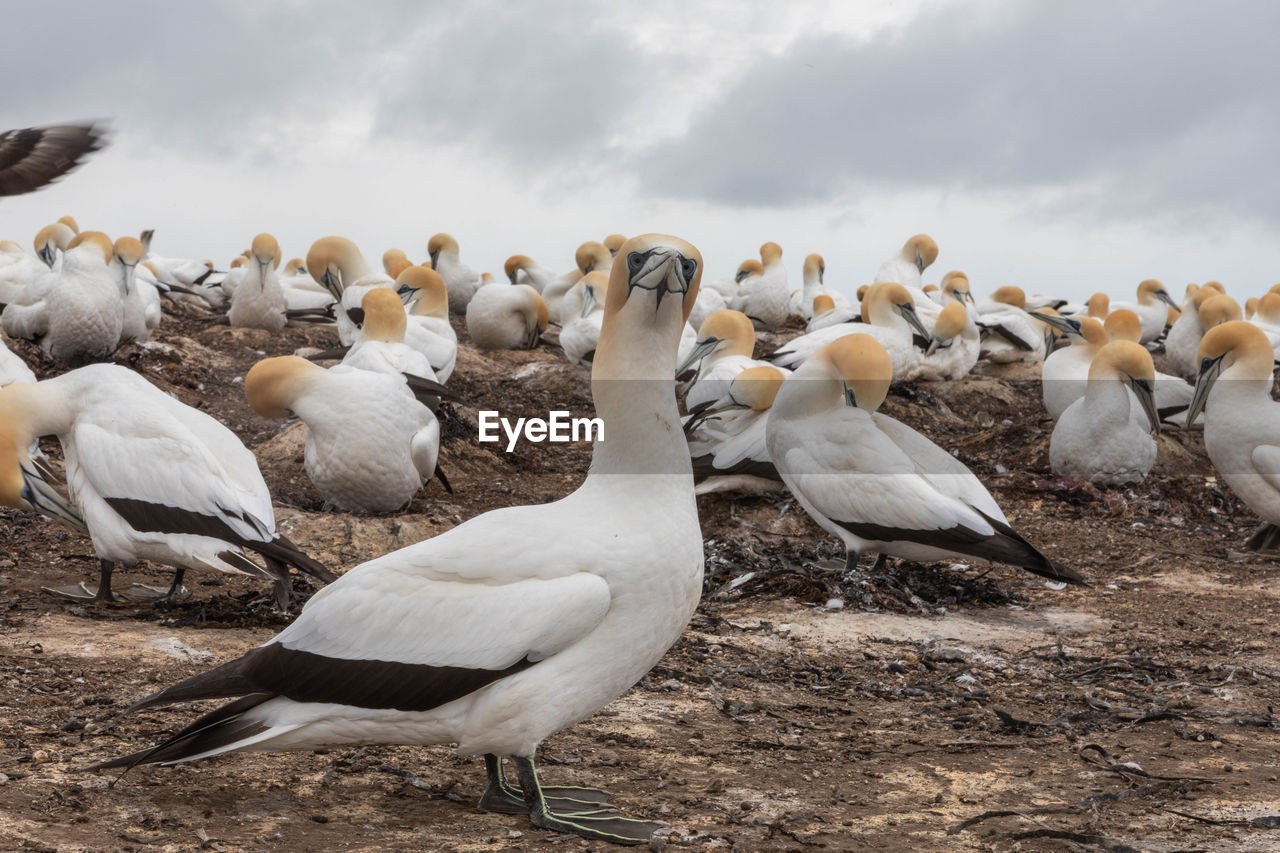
x: 34, y: 156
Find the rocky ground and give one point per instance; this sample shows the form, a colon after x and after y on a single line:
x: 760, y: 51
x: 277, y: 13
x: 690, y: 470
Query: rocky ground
x: 929, y: 707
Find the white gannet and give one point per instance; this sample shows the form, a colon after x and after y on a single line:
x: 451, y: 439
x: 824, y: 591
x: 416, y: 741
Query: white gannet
x: 24, y: 279
x: 12, y: 367
x: 1009, y: 333
x: 888, y: 314
x: 474, y: 639
x: 724, y: 348
x: 152, y: 478
x: 727, y: 439
x: 337, y: 264
x: 728, y: 287
x: 459, y: 279
x: 580, y: 333
x: 394, y: 262
x: 506, y: 316
x: 259, y: 301
x: 908, y: 266
x: 1065, y: 373
x: 589, y: 257
x: 1267, y: 318
x: 1185, y: 333
x: 613, y: 243
x: 875, y: 483
x: 765, y: 297
x: 953, y: 350
x: 1152, y: 308
x: 83, y: 312
x: 380, y: 345
x: 370, y: 444
x: 140, y: 300
x: 1172, y: 393
x: 522, y: 269
x: 1242, y: 422
x: 31, y: 157
x: 824, y: 313
x: 1103, y: 438
x: 801, y: 303
x: 429, y: 330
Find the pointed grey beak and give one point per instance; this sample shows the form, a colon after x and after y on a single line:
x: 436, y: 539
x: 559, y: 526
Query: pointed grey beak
x: 934, y: 343
x: 908, y: 312
x: 1210, y: 370
x: 1050, y: 342
x: 405, y: 292
x: 332, y: 281
x: 1142, y: 389
x: 1066, y: 325
x: 42, y: 498
x: 434, y: 257
x: 662, y: 270
x: 849, y: 399
x: 589, y: 302
x: 920, y: 263
x: 701, y: 350
x: 47, y: 254
x: 1163, y: 296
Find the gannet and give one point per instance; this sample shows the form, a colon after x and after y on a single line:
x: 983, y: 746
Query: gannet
x: 336, y: 263
x: 765, y: 297
x: 429, y: 330
x: 1009, y: 333
x: 589, y: 256
x: 728, y: 287
x: 888, y: 314
x: 83, y: 312
x: 1242, y: 422
x: 1184, y: 335
x: 152, y: 478
x: 727, y: 438
x: 140, y: 301
x: 461, y: 282
x: 582, y: 317
x: 1065, y: 373
x: 259, y: 301
x: 506, y: 316
x: 1267, y: 318
x: 824, y: 313
x: 522, y: 269
x: 875, y: 483
x: 474, y: 639
x: 394, y: 262
x: 25, y: 279
x: 370, y: 444
x: 815, y: 270
x: 380, y: 344
x: 32, y: 157
x: 1103, y: 438
x: 908, y: 266
x: 1172, y: 393
x: 1152, y: 308
x: 726, y: 341
x: 613, y: 243
x: 953, y: 350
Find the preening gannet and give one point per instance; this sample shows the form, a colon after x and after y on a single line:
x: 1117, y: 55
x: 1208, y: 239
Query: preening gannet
x: 336, y: 263
x: 765, y: 297
x: 1152, y: 308
x: 472, y: 637
x: 506, y: 316
x: 394, y: 262
x: 1009, y: 333
x: 32, y: 157
x: 1242, y: 422
x: 726, y: 341
x: 875, y: 483
x: 370, y: 444
x: 1103, y: 438
x: 583, y: 316
x: 908, y: 266
x: 815, y: 270
x: 459, y: 279
x: 152, y: 478
x: 613, y: 243
x: 1172, y: 393
x: 259, y: 301
x: 522, y: 269
x: 953, y: 350
x: 888, y: 314
x: 380, y: 345
x: 727, y: 438
x: 825, y: 313
x: 429, y: 330
x: 83, y: 310
x: 589, y: 256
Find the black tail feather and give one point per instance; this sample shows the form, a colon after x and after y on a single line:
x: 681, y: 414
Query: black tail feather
x: 218, y: 728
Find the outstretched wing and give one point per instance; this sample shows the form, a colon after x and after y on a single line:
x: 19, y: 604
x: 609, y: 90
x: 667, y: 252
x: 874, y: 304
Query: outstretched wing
x: 34, y: 156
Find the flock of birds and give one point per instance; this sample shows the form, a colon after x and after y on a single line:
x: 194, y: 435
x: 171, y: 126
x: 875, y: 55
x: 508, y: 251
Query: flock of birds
x: 474, y: 638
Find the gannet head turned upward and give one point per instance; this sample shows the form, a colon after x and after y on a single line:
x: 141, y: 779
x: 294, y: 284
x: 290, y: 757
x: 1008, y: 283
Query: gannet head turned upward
x: 273, y: 385
x: 1218, y: 309
x: 822, y: 303
x: 53, y: 238
x: 770, y: 253
x: 334, y: 261
x: 265, y: 252
x: 815, y: 268
x: 1130, y: 363
x: 441, y: 243
x: 592, y: 255
x: 1151, y: 291
x: 749, y: 267
x: 433, y: 296
x: 514, y: 264
x: 1098, y: 305
x: 1237, y: 346
x: 21, y: 485
x: 885, y: 300
x: 384, y: 317
x: 613, y: 243
x: 725, y: 331
x: 1123, y: 325
x: 920, y: 250
x: 129, y: 252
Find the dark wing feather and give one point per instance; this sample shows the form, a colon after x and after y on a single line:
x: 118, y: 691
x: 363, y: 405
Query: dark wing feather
x: 32, y: 157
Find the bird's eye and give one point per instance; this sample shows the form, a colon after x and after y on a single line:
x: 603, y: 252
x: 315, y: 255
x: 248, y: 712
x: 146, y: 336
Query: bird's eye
x: 688, y: 266
x: 635, y: 261
x: 1204, y: 364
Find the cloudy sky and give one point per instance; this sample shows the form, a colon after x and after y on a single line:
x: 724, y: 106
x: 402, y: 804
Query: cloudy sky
x: 1062, y: 147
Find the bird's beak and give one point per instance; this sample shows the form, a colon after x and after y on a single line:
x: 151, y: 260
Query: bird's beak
x: 933, y: 346
x: 1050, y: 342
x: 434, y: 256
x: 262, y: 267
x: 1066, y: 325
x: 1210, y: 370
x: 739, y: 276
x: 1146, y: 395
x: 512, y: 275
x: 47, y: 254
x: 908, y: 312
x: 701, y: 350
x: 42, y: 498
x: 130, y: 272
x: 662, y: 272
x: 405, y: 292
x: 920, y: 263
x: 332, y: 281
x: 1163, y: 296
x: 849, y: 398
x: 588, y: 301
x: 822, y: 274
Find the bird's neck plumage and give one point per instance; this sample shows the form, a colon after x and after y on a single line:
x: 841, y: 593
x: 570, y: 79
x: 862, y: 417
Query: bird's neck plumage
x: 41, y: 408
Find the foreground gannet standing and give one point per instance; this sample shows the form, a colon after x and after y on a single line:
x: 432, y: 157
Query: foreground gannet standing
x: 472, y: 637
x: 875, y: 483
x: 429, y: 330
x: 1242, y: 422
x: 1103, y: 438
x: 727, y: 438
x: 258, y: 301
x: 459, y: 279
x: 726, y: 341
x: 153, y: 479
x: 908, y: 266
x: 32, y: 157
x: 765, y: 297
x: 506, y: 316
x: 370, y: 444
x: 1152, y: 308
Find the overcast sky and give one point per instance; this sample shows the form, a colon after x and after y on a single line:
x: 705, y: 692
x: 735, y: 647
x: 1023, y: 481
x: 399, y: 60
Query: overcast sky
x: 1063, y: 147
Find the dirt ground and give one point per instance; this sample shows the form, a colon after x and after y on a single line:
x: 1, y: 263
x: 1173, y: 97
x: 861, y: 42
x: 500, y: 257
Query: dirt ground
x: 928, y: 707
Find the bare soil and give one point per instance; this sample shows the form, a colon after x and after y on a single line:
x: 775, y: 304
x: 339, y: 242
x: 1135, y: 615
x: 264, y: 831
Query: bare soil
x: 925, y: 707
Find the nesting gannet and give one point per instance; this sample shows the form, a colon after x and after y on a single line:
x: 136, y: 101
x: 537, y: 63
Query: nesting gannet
x: 25, y: 279
x: 370, y: 444
x: 1172, y: 393
x: 83, y: 312
x: 888, y: 314
x: 1065, y: 373
x: 1152, y: 308
x: 765, y: 297
x: 876, y: 483
x: 1267, y: 318
x: 380, y: 345
x: 908, y: 266
x: 259, y: 301
x: 727, y: 438
x: 815, y: 270
x: 953, y: 350
x: 522, y: 269
x: 140, y: 300
x: 1009, y: 333
x: 613, y: 243
x: 582, y: 317
x: 32, y: 157
x: 429, y: 330
x: 825, y: 313
x: 506, y: 316
x: 1242, y: 422
x: 459, y: 279
x: 474, y: 639
x: 1184, y: 335
x: 152, y: 478
x: 726, y: 341
x: 337, y: 264
x: 1103, y: 438
x: 728, y: 287
x: 589, y: 256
